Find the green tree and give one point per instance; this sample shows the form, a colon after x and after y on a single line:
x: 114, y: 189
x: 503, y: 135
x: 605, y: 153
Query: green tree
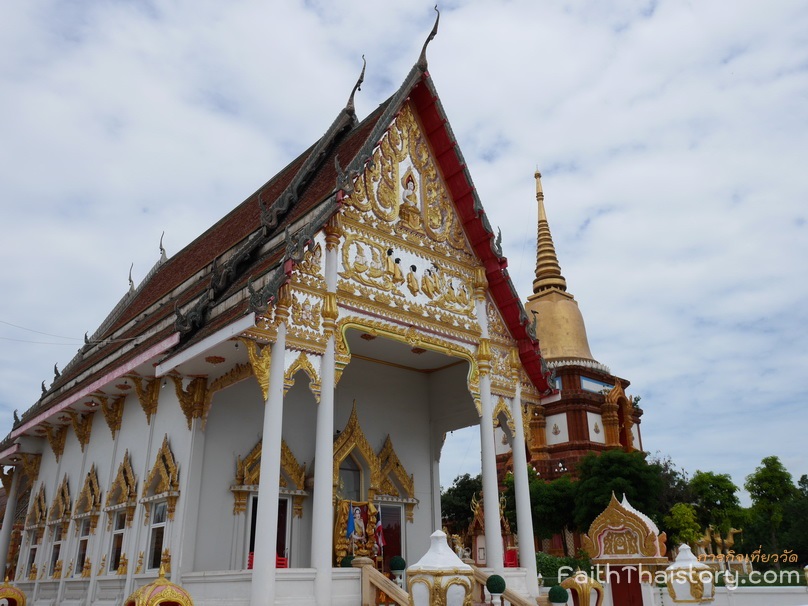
x: 772, y: 489
x: 682, y: 525
x: 795, y: 523
x: 551, y: 504
x: 455, y: 502
x: 675, y: 484
x: 715, y: 500
x: 618, y: 472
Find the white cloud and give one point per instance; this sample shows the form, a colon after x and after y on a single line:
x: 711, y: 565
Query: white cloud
x: 670, y: 136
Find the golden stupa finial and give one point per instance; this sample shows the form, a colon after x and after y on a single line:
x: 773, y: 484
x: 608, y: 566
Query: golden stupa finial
x: 162, y: 573
x: 559, y: 323
x: 548, y: 270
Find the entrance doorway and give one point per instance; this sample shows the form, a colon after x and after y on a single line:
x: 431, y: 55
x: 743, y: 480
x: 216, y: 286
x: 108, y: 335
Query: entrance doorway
x: 625, y: 586
x: 284, y: 532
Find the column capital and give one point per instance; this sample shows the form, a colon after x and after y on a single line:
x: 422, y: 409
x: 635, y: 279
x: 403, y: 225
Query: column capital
x: 480, y: 282
x: 333, y: 232
x: 283, y: 302
x: 484, y: 355
x: 330, y: 312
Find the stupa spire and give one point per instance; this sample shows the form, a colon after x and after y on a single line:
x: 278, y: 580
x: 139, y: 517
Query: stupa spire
x: 548, y: 270
x: 560, y: 325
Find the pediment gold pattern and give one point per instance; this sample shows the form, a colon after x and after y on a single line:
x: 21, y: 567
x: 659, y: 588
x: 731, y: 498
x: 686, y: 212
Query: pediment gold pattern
x: 38, y: 514
x: 619, y: 532
x: 302, y: 363
x: 351, y: 439
x: 89, y: 499
x: 123, y: 490
x: 164, y: 478
x: 248, y: 473
x: 61, y: 506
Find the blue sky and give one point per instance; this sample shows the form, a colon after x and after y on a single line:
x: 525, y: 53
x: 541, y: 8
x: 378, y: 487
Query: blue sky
x: 671, y: 137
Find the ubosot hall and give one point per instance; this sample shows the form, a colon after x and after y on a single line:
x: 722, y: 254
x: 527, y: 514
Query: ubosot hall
x: 274, y: 397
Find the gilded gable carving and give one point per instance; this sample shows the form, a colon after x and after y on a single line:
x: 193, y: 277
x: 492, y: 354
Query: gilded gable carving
x: 496, y: 326
x: 503, y: 410
x: 248, y: 472
x: 89, y: 500
x: 61, y: 507
x: 393, y: 473
x: 402, y: 187
x: 351, y: 439
x: 404, y: 248
x: 163, y: 480
x: 38, y: 514
x: 312, y: 263
x: 302, y: 363
x: 619, y: 532
x: 123, y: 492
x: 305, y: 313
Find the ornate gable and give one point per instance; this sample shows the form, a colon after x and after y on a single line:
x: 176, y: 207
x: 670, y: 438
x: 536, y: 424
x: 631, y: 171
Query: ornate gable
x: 124, y: 489
x: 88, y: 502
x: 404, y: 245
x: 61, y: 507
x: 163, y: 481
x: 622, y: 535
x: 351, y: 439
x: 248, y: 472
x: 38, y: 514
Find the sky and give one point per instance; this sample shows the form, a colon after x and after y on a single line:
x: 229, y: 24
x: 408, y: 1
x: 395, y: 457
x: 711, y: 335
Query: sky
x: 671, y: 136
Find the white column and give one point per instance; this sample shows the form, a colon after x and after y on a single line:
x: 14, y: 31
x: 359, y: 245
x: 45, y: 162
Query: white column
x: 322, y: 522
x: 524, y: 517
x: 266, y: 529
x: 323, y: 508
x: 493, y: 531
x: 8, y: 518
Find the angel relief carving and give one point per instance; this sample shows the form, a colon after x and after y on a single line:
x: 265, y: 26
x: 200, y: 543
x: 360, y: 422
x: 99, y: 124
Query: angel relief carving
x: 371, y: 264
x: 306, y: 314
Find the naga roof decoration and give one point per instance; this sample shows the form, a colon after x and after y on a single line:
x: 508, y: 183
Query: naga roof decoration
x: 255, y: 247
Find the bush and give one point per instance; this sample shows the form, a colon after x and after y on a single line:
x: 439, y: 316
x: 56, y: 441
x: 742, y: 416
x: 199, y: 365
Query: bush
x: 549, y: 565
x: 346, y: 561
x: 495, y: 584
x: 558, y: 595
x: 397, y: 563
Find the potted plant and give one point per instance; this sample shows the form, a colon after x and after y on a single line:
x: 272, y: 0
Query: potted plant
x: 496, y: 587
x: 397, y: 567
x: 558, y: 595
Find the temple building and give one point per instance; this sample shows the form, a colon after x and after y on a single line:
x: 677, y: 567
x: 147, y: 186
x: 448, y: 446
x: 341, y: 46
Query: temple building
x: 274, y: 397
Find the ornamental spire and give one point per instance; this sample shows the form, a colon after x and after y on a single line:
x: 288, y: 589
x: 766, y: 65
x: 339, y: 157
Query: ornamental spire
x: 548, y: 270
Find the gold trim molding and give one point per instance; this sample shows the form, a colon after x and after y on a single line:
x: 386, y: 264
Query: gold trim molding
x: 302, y: 363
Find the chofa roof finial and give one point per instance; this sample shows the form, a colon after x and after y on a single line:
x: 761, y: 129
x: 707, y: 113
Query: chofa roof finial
x: 357, y: 86
x: 422, y: 63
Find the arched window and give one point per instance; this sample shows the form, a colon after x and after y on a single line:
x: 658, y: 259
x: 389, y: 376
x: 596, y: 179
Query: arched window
x: 350, y: 479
